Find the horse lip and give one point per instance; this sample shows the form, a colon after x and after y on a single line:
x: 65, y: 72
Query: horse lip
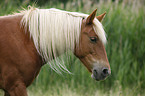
x: 97, y: 77
x: 94, y: 77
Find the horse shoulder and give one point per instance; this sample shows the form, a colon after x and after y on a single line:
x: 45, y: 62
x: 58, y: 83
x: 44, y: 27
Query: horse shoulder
x: 18, y: 54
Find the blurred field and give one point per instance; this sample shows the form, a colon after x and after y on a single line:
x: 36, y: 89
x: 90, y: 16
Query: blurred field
x: 125, y: 28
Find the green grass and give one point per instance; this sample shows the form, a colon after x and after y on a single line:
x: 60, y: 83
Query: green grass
x: 65, y: 90
x: 125, y: 28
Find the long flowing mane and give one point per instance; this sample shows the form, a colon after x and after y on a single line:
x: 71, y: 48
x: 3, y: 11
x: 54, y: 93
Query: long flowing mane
x: 55, y: 31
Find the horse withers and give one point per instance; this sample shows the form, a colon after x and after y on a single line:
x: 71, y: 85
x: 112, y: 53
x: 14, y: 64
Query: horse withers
x: 33, y: 37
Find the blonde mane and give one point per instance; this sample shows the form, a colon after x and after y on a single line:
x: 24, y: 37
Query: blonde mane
x: 55, y: 31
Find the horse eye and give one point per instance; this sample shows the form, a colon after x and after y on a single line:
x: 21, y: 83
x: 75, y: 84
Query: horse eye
x: 93, y: 39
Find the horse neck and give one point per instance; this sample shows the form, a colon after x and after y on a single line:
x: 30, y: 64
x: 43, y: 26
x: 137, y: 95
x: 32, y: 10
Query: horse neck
x: 52, y: 34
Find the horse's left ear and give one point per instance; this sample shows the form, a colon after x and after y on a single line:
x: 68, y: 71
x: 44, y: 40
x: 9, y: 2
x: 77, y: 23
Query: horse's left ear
x: 91, y: 17
x: 100, y: 17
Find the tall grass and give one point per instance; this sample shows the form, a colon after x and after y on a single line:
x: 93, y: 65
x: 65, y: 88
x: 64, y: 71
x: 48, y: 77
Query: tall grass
x: 125, y: 28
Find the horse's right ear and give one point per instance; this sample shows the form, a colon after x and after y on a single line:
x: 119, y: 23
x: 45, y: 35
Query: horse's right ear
x: 91, y: 17
x: 100, y: 17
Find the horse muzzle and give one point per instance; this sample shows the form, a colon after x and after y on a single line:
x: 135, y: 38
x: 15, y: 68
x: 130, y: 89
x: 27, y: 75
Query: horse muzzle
x: 100, y: 73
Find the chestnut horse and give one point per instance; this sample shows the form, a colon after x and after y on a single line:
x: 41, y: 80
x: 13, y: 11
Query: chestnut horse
x: 33, y: 37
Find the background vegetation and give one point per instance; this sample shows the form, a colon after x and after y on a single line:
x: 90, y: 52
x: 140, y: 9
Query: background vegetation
x: 125, y: 28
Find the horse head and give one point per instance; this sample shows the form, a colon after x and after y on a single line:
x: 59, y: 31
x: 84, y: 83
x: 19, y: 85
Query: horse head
x: 91, y: 50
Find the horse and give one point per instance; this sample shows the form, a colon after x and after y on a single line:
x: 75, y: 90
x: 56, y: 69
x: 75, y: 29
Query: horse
x: 31, y: 38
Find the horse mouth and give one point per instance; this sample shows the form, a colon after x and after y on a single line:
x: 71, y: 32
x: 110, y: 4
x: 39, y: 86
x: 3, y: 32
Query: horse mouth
x: 98, y: 78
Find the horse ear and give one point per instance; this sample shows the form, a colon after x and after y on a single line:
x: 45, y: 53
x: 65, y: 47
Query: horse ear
x: 91, y: 17
x: 100, y: 17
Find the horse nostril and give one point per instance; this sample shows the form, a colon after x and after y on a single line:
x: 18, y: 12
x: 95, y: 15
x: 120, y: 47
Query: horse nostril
x: 105, y: 71
x: 95, y: 71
